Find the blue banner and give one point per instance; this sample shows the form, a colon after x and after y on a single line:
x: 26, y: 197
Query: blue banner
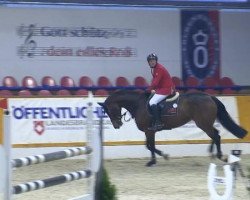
x: 200, y: 43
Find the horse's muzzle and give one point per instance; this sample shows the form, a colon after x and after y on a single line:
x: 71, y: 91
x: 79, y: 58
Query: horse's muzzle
x: 117, y: 124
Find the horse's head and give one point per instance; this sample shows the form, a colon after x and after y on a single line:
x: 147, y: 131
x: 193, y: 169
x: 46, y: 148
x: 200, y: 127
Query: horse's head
x: 113, y: 110
x: 121, y: 99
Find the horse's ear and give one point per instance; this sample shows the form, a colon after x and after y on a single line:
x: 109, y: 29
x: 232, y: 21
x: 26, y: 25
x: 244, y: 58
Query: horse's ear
x: 104, y: 107
x: 101, y: 104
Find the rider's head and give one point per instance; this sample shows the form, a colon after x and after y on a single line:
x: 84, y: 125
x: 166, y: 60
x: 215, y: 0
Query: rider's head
x: 152, y: 60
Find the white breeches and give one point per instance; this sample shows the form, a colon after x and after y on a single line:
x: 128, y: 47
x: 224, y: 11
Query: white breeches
x: 156, y: 99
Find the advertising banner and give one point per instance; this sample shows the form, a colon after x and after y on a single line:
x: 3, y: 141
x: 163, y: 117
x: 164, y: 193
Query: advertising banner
x: 63, y: 120
x: 51, y: 120
x: 200, y: 43
x: 3, y: 106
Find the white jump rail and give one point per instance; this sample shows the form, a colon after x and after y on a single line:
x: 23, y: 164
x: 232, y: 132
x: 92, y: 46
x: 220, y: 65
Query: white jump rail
x: 57, y: 180
x: 228, y: 180
x: 214, y: 180
x: 67, y: 153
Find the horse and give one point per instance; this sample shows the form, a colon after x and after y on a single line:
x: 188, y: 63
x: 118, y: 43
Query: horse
x: 200, y: 107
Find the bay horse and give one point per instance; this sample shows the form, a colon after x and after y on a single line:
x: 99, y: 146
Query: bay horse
x: 202, y: 108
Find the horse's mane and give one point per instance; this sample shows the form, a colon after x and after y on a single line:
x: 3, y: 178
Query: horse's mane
x: 145, y: 95
x: 123, y: 91
x: 138, y: 93
x: 128, y: 92
x: 136, y: 96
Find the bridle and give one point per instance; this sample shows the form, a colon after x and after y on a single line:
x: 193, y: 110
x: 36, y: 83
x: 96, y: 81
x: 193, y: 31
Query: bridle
x: 119, y: 118
x: 124, y: 115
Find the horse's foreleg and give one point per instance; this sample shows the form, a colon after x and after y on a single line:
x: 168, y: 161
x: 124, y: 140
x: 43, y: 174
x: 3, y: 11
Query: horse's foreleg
x: 160, y: 153
x: 150, y: 143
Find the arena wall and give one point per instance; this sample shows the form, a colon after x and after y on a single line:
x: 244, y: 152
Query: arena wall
x: 94, y: 41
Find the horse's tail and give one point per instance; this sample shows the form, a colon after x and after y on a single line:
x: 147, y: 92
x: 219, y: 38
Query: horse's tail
x: 226, y: 120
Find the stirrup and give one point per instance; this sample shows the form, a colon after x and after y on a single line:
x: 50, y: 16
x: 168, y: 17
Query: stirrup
x: 159, y: 126
x: 156, y: 127
x: 152, y: 128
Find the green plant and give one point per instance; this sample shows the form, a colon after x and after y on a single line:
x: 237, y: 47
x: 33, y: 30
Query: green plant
x: 108, y: 190
x: 248, y: 177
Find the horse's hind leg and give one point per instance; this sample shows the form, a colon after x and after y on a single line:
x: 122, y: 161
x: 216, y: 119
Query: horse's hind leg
x: 216, y: 140
x: 213, y: 133
x: 215, y: 137
x: 211, y: 147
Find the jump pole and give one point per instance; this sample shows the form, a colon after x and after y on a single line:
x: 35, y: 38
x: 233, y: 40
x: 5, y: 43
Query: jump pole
x: 93, y: 138
x: 67, y: 153
x: 7, y: 169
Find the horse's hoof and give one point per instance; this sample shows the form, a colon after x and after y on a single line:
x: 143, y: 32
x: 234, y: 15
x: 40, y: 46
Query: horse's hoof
x: 221, y: 157
x: 212, y: 156
x: 224, y: 159
x: 151, y: 163
x: 165, y: 156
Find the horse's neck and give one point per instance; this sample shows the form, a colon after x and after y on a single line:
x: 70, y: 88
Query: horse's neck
x: 130, y: 105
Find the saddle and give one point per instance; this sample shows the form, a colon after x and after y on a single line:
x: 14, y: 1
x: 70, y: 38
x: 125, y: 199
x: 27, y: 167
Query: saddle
x: 169, y: 105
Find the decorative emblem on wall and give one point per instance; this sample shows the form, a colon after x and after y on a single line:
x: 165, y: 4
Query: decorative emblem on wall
x: 200, y: 44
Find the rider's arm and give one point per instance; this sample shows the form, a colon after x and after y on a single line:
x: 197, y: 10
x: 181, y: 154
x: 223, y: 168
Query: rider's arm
x: 156, y: 78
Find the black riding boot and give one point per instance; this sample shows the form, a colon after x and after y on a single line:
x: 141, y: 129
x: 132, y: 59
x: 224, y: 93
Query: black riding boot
x: 157, y: 125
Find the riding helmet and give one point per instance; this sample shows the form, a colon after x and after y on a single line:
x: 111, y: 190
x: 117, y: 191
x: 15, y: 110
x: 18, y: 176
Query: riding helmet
x: 152, y: 56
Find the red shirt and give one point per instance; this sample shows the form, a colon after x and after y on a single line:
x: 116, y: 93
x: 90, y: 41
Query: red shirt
x: 162, y: 82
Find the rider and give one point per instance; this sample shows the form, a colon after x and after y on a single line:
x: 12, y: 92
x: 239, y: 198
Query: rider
x: 161, y: 87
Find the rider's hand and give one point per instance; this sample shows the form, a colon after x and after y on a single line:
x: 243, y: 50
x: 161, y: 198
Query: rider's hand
x: 148, y: 90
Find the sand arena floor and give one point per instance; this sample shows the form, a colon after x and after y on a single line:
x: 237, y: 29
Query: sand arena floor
x: 175, y: 179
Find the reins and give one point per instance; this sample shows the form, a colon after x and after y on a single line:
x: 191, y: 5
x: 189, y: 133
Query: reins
x: 124, y: 115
